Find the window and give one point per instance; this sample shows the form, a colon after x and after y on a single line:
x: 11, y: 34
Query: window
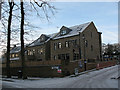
x: 42, y: 38
x: 55, y: 46
x: 66, y: 44
x: 33, y: 51
x: 63, y: 32
x: 59, y: 45
x: 74, y: 42
x: 91, y: 34
x: 67, y: 56
x: 55, y: 57
x: 91, y: 47
x: 63, y: 56
x: 28, y: 52
x: 59, y: 56
x: 75, y: 56
x: 13, y: 55
x: 16, y: 55
x: 41, y: 51
x: 86, y: 43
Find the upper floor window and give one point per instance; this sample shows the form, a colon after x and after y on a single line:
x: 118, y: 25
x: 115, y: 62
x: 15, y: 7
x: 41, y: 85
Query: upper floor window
x: 66, y: 44
x: 16, y: 55
x: 13, y: 55
x: 41, y: 51
x: 86, y: 43
x: 59, y: 56
x: 33, y: 51
x: 30, y: 52
x: 91, y: 47
x: 63, y: 32
x: 91, y: 34
x: 59, y: 45
x: 55, y: 46
x: 42, y: 38
x: 74, y: 42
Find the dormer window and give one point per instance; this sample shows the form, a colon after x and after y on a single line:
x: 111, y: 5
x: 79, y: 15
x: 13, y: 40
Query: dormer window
x: 63, y: 32
x: 42, y: 38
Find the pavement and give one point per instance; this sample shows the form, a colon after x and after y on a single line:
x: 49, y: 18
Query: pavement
x: 82, y: 73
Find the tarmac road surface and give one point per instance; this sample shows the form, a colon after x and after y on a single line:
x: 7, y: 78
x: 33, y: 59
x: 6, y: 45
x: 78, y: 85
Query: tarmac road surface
x: 94, y: 79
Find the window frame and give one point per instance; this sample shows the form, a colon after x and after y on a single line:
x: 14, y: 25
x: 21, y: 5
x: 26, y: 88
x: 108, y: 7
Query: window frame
x: 67, y: 44
x: 59, y: 45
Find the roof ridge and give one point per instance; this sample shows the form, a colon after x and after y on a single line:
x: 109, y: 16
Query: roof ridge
x: 80, y: 24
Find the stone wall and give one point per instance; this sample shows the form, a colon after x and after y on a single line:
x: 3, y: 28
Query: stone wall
x: 50, y: 68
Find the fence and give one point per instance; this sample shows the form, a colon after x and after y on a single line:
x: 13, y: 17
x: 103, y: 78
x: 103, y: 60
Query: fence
x: 105, y: 64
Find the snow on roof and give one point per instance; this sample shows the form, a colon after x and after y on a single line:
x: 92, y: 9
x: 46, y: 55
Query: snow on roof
x: 74, y: 30
x: 15, y: 49
x: 38, y: 42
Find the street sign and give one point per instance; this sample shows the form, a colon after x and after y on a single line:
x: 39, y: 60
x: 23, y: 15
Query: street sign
x: 55, y: 67
x: 59, y: 70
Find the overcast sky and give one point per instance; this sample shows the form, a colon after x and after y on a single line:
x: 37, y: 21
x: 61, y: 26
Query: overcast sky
x: 103, y: 14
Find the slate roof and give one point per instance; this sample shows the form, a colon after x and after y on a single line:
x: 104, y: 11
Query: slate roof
x: 74, y: 30
x: 38, y: 42
x: 15, y: 49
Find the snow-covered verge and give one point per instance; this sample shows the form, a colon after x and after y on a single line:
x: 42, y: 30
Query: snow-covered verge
x: 94, y: 79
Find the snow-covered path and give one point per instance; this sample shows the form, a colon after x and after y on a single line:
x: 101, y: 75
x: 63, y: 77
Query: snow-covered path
x: 95, y: 79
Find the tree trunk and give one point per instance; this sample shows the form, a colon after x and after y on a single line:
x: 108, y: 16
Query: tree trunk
x: 11, y: 4
x: 22, y: 42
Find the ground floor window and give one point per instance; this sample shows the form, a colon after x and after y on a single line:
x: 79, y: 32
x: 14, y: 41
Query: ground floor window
x: 55, y: 57
x: 75, y: 56
x: 64, y: 56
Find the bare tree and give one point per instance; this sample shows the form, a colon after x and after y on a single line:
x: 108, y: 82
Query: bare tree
x: 22, y: 41
x: 22, y: 29
x: 11, y: 5
x: 45, y: 6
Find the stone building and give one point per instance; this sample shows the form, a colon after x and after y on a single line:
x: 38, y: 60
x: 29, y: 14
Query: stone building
x: 15, y: 53
x: 70, y: 43
x: 61, y: 53
x: 39, y: 50
x: 77, y: 42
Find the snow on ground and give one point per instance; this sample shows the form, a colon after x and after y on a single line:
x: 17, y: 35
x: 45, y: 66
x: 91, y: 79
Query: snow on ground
x: 94, y: 79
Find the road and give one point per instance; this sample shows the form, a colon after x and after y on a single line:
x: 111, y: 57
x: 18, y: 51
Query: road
x: 95, y: 79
